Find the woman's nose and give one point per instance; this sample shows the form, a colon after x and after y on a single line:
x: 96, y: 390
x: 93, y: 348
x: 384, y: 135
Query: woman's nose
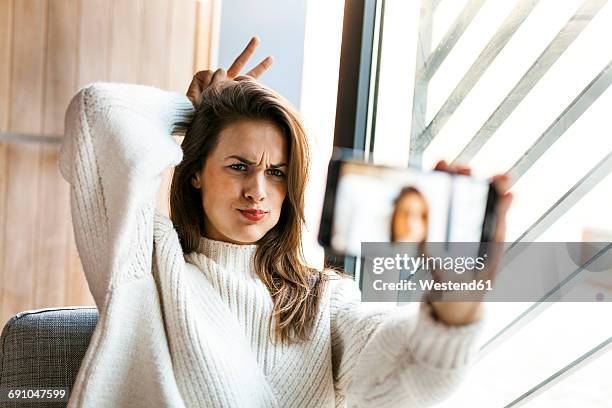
x: 255, y: 189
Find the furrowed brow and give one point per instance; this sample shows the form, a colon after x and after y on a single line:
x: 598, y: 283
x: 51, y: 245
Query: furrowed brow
x: 241, y: 159
x: 246, y: 161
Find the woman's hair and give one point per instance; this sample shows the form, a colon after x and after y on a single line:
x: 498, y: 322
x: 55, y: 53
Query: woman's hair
x: 404, y: 192
x: 295, y: 288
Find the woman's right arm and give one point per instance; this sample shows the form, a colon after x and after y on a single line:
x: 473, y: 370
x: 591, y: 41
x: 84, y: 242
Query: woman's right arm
x: 117, y: 143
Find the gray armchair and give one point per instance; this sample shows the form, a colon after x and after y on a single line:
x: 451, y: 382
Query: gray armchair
x: 44, y: 348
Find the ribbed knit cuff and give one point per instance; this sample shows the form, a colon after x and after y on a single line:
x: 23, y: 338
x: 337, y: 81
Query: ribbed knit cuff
x: 437, y: 344
x: 179, y: 109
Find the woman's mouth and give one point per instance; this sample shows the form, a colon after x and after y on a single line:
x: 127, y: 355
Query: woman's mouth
x: 253, y: 214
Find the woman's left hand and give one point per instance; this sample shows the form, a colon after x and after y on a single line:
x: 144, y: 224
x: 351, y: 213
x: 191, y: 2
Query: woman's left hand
x: 460, y: 313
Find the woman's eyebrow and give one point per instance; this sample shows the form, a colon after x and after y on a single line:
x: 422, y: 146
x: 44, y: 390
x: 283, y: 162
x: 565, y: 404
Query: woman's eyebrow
x: 246, y: 161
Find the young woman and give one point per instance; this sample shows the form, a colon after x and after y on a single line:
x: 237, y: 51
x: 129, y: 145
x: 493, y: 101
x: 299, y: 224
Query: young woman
x: 216, y: 307
x: 410, y: 217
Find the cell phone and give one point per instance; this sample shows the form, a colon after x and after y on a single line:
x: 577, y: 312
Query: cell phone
x: 373, y: 203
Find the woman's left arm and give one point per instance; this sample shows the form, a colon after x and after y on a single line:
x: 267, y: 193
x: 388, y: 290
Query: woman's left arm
x: 390, y: 357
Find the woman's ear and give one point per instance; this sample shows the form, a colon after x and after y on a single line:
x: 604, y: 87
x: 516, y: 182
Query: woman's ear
x: 195, y: 181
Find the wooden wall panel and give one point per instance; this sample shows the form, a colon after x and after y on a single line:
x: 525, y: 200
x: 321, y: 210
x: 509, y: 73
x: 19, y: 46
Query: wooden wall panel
x: 126, y: 37
x: 48, y: 50
x: 94, y: 41
x: 6, y: 36
x: 26, y: 97
x: 153, y: 61
x: 60, y: 64
x: 182, y: 45
x: 205, y: 12
x: 53, y: 206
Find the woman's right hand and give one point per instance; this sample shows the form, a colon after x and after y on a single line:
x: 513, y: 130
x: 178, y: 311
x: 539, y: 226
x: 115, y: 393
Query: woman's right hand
x: 203, y: 79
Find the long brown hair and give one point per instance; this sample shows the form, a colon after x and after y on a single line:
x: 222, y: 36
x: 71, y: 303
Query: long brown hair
x: 295, y: 288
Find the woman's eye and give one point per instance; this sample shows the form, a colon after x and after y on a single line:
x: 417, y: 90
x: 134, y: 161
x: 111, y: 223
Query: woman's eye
x: 277, y: 173
x: 238, y: 166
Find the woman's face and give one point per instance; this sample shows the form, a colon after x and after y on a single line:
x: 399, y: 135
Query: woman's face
x: 243, y: 182
x: 410, y: 219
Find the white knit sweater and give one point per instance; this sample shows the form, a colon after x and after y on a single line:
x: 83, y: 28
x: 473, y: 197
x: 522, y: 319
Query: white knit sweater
x: 190, y: 330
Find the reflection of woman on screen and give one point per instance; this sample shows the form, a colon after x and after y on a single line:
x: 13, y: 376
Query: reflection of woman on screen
x: 409, y: 223
x: 410, y: 216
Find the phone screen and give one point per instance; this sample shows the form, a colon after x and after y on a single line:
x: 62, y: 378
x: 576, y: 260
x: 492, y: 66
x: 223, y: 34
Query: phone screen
x: 383, y: 204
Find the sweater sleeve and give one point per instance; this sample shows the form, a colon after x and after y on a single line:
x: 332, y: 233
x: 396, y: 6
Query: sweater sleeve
x: 117, y: 142
x: 389, y: 356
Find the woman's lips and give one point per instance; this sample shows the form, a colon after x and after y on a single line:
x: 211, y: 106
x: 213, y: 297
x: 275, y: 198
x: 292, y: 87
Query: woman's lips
x: 253, y: 215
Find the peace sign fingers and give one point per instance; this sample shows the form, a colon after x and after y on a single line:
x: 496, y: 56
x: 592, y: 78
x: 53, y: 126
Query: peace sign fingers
x: 242, y: 59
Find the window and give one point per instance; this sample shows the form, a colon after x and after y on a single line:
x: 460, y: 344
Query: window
x: 504, y: 85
